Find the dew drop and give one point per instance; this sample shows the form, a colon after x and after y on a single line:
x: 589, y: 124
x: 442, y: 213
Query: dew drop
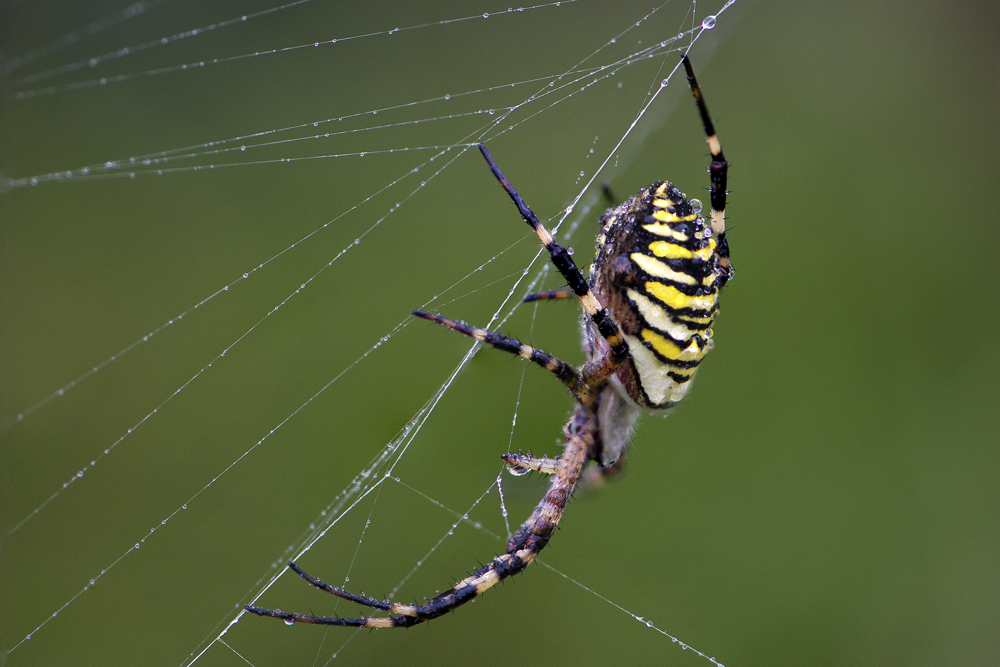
x: 517, y: 471
x: 289, y: 621
x: 708, y: 23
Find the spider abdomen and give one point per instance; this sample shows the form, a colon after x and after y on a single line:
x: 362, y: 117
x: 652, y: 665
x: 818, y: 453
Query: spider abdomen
x: 658, y: 272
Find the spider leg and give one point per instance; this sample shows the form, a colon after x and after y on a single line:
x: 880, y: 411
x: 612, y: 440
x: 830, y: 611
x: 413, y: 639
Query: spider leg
x: 718, y: 170
x: 618, y: 352
x: 520, y: 464
x: 567, y: 374
x: 547, y: 296
x: 522, y: 549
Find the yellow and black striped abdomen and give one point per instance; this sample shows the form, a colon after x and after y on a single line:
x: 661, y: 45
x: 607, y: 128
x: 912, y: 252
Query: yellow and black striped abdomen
x: 658, y: 271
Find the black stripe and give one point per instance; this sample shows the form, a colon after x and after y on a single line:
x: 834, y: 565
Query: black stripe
x: 683, y: 365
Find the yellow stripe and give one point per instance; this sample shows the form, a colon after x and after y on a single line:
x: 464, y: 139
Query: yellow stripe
x: 674, y: 298
x: 657, y: 318
x: 658, y: 269
x: 670, y: 350
x: 664, y: 215
x: 674, y: 251
x: 663, y: 230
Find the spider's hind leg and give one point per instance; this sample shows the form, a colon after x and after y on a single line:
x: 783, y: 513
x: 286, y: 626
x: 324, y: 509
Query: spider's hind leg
x: 618, y: 348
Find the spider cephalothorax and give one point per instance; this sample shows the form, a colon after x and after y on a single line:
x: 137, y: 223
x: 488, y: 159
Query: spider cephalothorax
x: 649, y: 306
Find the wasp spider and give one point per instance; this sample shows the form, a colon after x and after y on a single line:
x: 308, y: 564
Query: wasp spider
x: 649, y: 305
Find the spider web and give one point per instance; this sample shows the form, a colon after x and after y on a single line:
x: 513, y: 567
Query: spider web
x: 263, y: 359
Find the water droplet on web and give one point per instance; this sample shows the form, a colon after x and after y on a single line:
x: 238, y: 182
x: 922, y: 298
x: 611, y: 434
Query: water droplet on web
x: 708, y: 23
x: 486, y: 15
x: 649, y: 624
x: 289, y: 621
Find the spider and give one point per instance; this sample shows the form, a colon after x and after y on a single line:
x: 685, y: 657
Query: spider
x: 649, y: 306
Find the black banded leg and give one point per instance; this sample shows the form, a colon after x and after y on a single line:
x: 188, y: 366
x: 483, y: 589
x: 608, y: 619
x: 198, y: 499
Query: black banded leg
x: 718, y: 170
x: 549, y: 295
x: 520, y: 464
x: 522, y: 549
x: 566, y: 373
x: 564, y: 263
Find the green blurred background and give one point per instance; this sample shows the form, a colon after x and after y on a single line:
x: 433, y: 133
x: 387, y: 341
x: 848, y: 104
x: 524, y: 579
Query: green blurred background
x: 828, y: 494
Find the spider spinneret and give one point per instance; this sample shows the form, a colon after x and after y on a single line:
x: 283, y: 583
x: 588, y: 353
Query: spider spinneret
x: 649, y: 306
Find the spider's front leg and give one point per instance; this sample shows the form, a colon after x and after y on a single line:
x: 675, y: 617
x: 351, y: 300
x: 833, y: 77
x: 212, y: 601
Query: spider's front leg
x: 521, y: 464
x: 522, y: 549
